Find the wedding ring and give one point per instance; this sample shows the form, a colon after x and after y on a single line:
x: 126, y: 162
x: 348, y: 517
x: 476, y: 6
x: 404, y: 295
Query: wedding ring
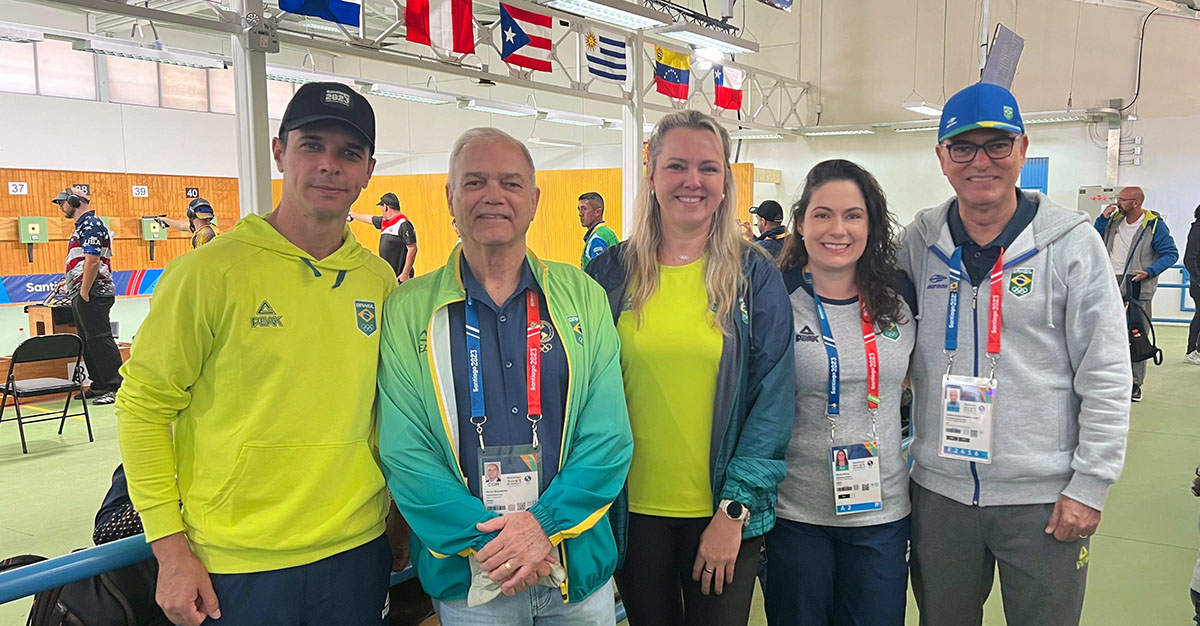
x: 709, y: 571
x: 508, y: 566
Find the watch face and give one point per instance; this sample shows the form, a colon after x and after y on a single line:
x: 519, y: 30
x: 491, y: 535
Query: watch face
x: 734, y: 510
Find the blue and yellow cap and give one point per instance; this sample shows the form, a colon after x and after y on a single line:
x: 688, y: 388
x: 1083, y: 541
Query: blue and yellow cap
x: 982, y: 105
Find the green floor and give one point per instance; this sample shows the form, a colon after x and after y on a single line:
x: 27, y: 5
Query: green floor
x: 1141, y: 562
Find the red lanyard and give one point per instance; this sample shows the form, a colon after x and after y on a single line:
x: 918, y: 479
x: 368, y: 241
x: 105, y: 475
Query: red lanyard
x: 995, y: 305
x: 868, y: 329
x: 533, y: 367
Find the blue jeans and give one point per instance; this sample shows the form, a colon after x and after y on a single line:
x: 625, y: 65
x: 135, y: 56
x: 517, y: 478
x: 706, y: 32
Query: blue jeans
x: 538, y: 605
x: 347, y: 589
x: 836, y: 576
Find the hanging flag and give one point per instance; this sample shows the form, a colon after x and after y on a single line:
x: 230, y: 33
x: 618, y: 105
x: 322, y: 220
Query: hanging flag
x: 526, y: 38
x: 605, y: 57
x: 445, y: 24
x: 340, y: 11
x: 728, y: 81
x: 671, y: 72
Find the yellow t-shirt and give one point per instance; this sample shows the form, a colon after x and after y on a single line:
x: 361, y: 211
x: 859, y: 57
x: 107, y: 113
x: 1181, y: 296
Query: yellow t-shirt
x: 670, y: 365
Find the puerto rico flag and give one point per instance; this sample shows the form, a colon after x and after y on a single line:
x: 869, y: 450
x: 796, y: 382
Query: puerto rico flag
x: 445, y: 24
x: 728, y: 81
x: 341, y: 11
x: 526, y: 38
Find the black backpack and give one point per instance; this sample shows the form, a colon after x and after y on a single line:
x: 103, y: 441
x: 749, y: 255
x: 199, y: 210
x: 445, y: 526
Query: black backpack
x: 121, y: 597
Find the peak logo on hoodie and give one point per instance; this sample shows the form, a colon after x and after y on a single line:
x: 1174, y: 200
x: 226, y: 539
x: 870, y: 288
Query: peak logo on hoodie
x: 266, y: 317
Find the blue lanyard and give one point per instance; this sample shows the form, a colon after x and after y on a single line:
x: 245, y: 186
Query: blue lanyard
x: 533, y: 369
x: 956, y: 278
x: 474, y: 355
x: 834, y: 391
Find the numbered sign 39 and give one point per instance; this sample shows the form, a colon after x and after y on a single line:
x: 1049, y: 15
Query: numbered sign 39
x: 141, y: 191
x: 18, y: 189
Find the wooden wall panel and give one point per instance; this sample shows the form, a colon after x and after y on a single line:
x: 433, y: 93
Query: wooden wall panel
x: 112, y: 197
x: 555, y: 234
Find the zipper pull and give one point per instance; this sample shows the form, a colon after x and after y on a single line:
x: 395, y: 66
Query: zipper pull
x: 974, y: 297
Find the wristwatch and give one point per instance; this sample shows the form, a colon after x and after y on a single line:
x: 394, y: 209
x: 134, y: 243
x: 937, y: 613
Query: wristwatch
x: 734, y: 510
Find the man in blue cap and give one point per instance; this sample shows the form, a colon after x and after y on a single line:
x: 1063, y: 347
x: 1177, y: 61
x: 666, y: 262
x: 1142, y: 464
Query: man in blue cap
x: 1017, y: 305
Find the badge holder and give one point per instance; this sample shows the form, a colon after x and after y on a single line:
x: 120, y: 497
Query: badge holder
x: 857, y: 487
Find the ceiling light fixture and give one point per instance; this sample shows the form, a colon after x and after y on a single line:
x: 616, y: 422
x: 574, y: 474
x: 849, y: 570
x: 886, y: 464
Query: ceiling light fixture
x: 843, y: 131
x: 496, y: 108
x: 616, y: 12
x: 570, y: 119
x: 19, y: 34
x: 412, y: 94
x: 914, y: 129
x: 924, y: 108
x: 554, y: 143
x: 157, y: 54
x: 1058, y: 119
x: 750, y: 134
x: 701, y: 37
x: 300, y: 77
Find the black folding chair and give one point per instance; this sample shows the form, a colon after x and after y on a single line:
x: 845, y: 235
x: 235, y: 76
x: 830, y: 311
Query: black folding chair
x: 45, y: 348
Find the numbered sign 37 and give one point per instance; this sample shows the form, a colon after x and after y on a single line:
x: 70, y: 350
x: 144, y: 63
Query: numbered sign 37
x: 141, y: 191
x: 18, y: 189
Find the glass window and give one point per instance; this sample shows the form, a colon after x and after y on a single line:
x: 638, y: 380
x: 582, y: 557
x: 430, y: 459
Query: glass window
x: 65, y: 72
x: 131, y: 81
x: 220, y: 91
x: 279, y: 94
x: 17, y: 72
x: 183, y: 87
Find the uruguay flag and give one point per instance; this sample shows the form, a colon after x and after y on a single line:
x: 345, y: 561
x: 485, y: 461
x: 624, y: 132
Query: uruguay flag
x: 728, y: 83
x: 340, y: 11
x: 605, y: 57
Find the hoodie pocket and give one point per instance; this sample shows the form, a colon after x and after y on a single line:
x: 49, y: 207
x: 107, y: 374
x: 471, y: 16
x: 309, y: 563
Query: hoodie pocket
x: 292, y: 497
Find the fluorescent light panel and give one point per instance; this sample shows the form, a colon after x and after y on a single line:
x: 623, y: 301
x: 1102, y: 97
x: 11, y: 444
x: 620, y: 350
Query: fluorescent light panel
x: 554, y: 143
x: 615, y: 12
x: 702, y: 37
x: 846, y: 131
x: 915, y: 129
x: 412, y: 94
x: 570, y: 119
x: 756, y: 134
x: 1056, y: 120
x: 300, y: 77
x: 19, y: 34
x: 157, y: 55
x: 920, y: 106
x: 647, y: 127
x: 496, y: 108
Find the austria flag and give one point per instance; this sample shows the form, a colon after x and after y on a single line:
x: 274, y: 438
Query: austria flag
x: 445, y: 24
x: 728, y: 82
x: 526, y: 38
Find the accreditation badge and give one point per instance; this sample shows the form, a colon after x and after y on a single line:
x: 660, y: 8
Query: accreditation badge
x: 856, y: 485
x: 967, y: 403
x: 510, y: 478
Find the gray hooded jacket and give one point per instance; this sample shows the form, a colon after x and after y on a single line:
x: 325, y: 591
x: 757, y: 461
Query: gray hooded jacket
x: 1061, y: 413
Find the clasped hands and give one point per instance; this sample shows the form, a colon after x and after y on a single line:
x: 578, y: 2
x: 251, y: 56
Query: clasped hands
x: 519, y: 555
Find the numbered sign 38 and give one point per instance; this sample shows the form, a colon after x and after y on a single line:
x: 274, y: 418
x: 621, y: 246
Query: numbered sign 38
x: 141, y: 191
x: 18, y: 189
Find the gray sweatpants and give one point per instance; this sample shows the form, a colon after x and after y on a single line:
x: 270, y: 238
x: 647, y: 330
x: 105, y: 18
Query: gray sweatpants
x: 955, y: 550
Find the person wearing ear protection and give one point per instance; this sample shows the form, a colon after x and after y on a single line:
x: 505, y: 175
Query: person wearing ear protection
x: 201, y: 222
x: 88, y: 282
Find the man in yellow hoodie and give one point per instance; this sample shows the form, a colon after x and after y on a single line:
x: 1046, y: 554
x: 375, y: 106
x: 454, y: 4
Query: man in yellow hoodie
x: 246, y: 419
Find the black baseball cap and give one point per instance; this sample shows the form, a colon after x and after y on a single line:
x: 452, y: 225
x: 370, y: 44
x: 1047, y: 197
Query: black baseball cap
x: 315, y: 102
x: 769, y: 210
x: 390, y: 200
x: 62, y: 196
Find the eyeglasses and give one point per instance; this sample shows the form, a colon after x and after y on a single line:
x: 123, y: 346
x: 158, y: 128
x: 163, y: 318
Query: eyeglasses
x: 965, y: 151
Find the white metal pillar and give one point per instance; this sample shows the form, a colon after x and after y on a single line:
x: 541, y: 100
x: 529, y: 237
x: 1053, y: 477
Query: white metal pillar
x: 632, y: 118
x: 250, y: 94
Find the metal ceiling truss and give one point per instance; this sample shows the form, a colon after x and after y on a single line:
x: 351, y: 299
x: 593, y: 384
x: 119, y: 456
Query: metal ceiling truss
x: 684, y: 14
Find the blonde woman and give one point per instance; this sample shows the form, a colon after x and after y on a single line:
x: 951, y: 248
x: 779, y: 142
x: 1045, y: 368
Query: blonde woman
x: 706, y: 354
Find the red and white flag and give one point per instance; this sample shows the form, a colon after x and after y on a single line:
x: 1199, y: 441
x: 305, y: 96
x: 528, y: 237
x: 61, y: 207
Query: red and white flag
x: 728, y: 83
x: 445, y: 24
x: 525, y: 38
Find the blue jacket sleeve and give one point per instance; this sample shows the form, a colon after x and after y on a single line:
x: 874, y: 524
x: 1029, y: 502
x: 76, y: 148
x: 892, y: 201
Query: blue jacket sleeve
x: 421, y: 471
x: 758, y: 464
x: 601, y: 448
x: 1102, y: 224
x: 1164, y: 246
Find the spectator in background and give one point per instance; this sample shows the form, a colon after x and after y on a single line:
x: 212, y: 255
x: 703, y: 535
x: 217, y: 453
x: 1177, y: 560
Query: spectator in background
x: 599, y: 236
x: 398, y: 238
x: 1191, y: 260
x: 770, y: 226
